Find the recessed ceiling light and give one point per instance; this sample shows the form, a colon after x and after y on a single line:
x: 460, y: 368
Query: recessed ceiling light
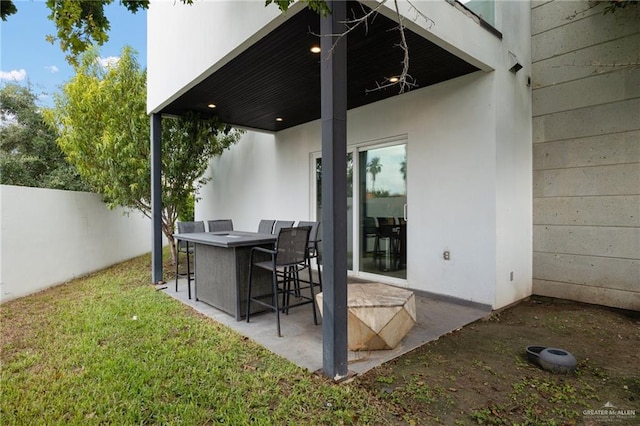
x: 315, y: 49
x: 211, y: 105
x: 393, y: 79
x: 279, y: 119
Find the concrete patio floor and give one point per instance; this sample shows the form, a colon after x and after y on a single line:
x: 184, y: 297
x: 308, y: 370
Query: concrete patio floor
x: 301, y: 341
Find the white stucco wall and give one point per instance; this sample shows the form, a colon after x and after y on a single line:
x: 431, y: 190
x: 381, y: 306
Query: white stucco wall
x: 441, y: 22
x: 50, y: 236
x: 468, y: 142
x: 452, y: 191
x: 513, y: 157
x: 186, y: 43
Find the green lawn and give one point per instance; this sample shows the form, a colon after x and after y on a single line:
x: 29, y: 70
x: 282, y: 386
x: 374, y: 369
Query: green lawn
x: 110, y: 349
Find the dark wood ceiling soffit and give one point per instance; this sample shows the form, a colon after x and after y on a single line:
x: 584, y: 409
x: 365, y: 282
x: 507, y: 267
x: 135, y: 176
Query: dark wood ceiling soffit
x: 279, y: 76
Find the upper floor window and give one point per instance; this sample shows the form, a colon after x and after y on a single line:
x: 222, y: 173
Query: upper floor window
x: 485, y: 9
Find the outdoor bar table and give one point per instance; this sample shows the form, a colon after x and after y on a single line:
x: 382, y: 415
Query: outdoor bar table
x: 222, y: 268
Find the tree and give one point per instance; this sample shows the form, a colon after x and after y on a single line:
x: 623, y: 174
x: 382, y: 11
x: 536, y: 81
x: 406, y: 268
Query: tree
x: 104, y: 131
x: 29, y: 155
x: 81, y: 24
x: 374, y: 167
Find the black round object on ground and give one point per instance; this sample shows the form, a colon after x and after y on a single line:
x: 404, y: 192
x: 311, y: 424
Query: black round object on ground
x: 533, y: 354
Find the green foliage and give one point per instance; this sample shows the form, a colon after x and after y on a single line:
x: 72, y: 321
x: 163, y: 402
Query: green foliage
x: 104, y: 131
x: 110, y: 349
x: 319, y: 6
x: 187, y: 214
x: 530, y: 394
x: 379, y: 193
x: 81, y: 24
x: 29, y: 155
x: 7, y: 8
x: 374, y: 167
x: 385, y: 379
x: 189, y: 142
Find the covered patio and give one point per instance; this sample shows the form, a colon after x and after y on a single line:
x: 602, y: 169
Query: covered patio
x: 301, y: 341
x: 300, y: 88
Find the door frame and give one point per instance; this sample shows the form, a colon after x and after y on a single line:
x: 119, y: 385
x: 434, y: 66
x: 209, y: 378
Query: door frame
x: 355, y: 150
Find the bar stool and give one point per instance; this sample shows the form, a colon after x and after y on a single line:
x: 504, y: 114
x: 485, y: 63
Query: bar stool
x: 186, y: 247
x: 287, y: 260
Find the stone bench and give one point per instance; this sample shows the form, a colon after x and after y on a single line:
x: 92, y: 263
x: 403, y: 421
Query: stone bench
x: 379, y: 315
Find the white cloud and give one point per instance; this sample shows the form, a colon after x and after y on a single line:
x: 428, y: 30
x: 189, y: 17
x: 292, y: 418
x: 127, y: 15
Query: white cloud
x: 108, y: 61
x: 14, y: 75
x: 52, y: 69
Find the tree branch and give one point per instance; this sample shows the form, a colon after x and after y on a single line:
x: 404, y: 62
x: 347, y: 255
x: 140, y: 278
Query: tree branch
x: 404, y: 80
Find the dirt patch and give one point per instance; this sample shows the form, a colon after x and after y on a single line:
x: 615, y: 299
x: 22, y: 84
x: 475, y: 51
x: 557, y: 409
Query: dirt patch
x: 481, y: 375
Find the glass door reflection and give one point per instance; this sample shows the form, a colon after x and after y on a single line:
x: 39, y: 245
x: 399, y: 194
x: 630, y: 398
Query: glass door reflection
x: 318, y: 174
x: 383, y: 199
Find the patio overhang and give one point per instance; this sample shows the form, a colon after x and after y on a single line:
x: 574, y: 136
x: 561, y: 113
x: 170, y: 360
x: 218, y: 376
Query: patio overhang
x: 278, y: 82
x: 275, y: 83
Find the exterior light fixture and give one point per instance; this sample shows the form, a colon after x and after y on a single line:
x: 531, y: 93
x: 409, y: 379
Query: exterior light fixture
x: 393, y: 79
x: 211, y: 106
x: 514, y: 63
x: 279, y: 119
x: 315, y: 49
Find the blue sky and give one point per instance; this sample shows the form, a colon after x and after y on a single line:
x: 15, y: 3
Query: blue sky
x: 25, y: 55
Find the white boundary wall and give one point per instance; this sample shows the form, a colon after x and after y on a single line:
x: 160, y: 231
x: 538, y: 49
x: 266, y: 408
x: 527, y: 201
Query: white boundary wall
x: 49, y: 237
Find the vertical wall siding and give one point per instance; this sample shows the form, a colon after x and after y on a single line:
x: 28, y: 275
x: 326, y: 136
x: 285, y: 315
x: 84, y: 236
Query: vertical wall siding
x: 586, y: 153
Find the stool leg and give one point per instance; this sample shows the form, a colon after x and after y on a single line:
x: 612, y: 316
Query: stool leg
x: 286, y: 287
x: 188, y: 272
x: 319, y: 272
x: 313, y: 302
x: 177, y: 264
x: 249, y: 286
x: 275, y: 301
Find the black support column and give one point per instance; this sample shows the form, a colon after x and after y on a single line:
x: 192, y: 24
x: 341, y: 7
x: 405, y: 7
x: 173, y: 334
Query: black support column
x: 156, y: 198
x: 333, y: 77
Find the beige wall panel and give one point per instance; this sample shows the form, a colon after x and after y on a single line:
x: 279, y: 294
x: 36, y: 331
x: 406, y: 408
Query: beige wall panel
x: 632, y: 82
x: 587, y: 240
x: 596, y: 295
x: 538, y: 3
x: 603, y: 58
x: 618, y: 179
x: 615, y: 148
x: 596, y: 90
x: 620, y: 274
x: 586, y: 153
x: 582, y: 33
x: 546, y: 15
x: 596, y: 211
x: 596, y: 120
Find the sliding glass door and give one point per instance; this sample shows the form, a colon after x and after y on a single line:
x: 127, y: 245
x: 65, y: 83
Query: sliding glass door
x: 317, y: 161
x: 382, y: 210
x: 377, y: 181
